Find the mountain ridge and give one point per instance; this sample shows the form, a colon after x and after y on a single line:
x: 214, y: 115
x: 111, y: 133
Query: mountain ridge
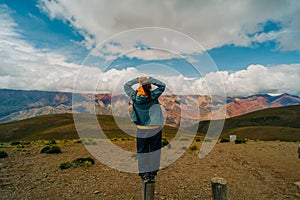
x: 179, y: 109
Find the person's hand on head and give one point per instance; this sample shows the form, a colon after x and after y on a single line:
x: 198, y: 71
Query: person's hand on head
x: 143, y: 80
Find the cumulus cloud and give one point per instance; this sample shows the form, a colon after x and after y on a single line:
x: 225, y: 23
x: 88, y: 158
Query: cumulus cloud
x: 211, y: 23
x: 255, y: 79
x: 25, y: 67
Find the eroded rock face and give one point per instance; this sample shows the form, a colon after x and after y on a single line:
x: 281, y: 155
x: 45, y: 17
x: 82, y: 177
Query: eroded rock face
x: 177, y: 109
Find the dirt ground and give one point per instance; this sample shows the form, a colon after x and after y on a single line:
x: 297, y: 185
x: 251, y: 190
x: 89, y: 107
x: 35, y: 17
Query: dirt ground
x: 255, y: 170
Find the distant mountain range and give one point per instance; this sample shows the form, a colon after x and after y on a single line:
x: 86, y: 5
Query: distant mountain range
x: 282, y: 123
x: 20, y: 104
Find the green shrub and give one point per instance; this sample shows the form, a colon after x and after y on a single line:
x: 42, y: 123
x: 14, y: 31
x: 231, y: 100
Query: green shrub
x: 20, y: 146
x: 83, y: 161
x: 15, y: 143
x: 45, y: 149
x: 55, y: 149
x: 52, y: 142
x: 51, y: 149
x: 164, y: 142
x: 193, y: 148
x: 87, y: 163
x: 3, y: 154
x: 224, y: 140
x: 65, y: 165
x: 239, y: 141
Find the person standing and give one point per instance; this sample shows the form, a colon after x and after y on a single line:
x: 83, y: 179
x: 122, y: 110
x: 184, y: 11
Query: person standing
x: 147, y: 115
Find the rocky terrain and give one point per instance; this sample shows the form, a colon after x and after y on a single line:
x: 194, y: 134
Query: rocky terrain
x: 254, y: 171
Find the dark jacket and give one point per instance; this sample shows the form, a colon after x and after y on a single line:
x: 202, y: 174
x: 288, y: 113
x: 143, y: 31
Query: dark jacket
x: 144, y: 111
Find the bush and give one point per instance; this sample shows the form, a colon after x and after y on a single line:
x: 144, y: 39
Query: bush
x: 26, y: 143
x: 65, y: 165
x: 193, y: 148
x: 20, y: 146
x: 45, y: 149
x: 52, y: 142
x: 224, y: 140
x: 51, y: 149
x: 164, y: 142
x: 239, y: 141
x: 15, y: 143
x: 85, y: 162
x: 3, y: 154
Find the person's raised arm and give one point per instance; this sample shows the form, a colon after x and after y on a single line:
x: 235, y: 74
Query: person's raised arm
x: 128, y: 87
x: 160, y: 87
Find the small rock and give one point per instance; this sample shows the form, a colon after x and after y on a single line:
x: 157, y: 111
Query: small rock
x: 297, y: 183
x: 96, y: 192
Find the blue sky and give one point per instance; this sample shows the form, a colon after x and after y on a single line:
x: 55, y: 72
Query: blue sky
x: 49, y: 40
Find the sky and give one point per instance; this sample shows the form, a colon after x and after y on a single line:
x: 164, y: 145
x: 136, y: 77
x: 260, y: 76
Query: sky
x: 233, y: 48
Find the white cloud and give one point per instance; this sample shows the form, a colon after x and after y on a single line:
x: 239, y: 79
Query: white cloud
x: 211, y: 23
x: 25, y: 67
x: 255, y: 79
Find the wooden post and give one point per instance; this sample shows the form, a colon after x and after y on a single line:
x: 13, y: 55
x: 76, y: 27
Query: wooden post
x: 219, y: 188
x: 148, y: 190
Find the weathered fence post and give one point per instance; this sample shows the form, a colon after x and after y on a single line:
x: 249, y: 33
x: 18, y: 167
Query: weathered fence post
x: 148, y: 190
x: 219, y: 188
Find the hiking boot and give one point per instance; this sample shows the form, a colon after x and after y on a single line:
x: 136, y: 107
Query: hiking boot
x: 145, y: 177
x: 152, y: 179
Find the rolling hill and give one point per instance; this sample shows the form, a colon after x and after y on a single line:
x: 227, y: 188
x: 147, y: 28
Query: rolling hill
x: 59, y: 127
x: 281, y: 123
